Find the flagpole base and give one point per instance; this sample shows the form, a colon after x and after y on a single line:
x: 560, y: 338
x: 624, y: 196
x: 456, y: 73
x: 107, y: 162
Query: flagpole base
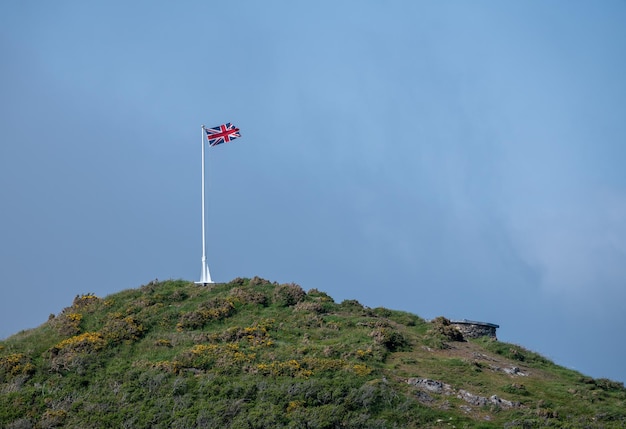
x: 205, y: 277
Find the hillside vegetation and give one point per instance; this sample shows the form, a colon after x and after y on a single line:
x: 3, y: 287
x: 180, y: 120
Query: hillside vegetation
x: 256, y: 354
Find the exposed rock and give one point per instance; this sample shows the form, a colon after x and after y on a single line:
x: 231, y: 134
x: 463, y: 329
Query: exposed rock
x: 481, y: 401
x: 514, y: 371
x: 439, y: 387
x: 470, y: 398
x: 503, y: 403
x: 430, y: 385
x: 511, y: 371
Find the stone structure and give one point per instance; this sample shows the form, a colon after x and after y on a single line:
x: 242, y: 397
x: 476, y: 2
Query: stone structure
x: 472, y: 329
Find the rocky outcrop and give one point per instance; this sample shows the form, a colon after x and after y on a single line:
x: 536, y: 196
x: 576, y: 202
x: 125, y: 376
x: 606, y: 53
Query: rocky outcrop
x: 427, y: 386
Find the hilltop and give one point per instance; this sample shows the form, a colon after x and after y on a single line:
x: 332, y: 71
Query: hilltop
x: 255, y: 354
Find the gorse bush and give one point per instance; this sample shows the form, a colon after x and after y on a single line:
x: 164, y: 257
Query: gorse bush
x: 310, y: 306
x: 351, y: 305
x: 258, y: 281
x: 221, y: 358
x: 288, y: 294
x: 15, y: 364
x: 76, y: 353
x: 445, y: 329
x: 119, y: 328
x: 391, y: 339
x: 88, y: 342
x: 248, y: 296
x: 86, y: 302
x: 255, y: 335
x: 605, y: 384
x: 68, y: 323
x: 213, y: 309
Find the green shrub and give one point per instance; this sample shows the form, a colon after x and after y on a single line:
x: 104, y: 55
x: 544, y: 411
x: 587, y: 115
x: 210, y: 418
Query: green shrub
x: 213, y: 309
x: 320, y: 296
x: 52, y: 419
x: 221, y: 358
x: 382, y: 312
x: 351, y: 305
x: 609, y: 385
x: 179, y: 295
x: 67, y: 323
x: 239, y: 281
x: 255, y: 335
x: 86, y: 302
x: 119, y: 328
x: 88, y: 342
x: 286, y: 295
x: 309, y: 306
x: 76, y: 353
x: 290, y: 368
x: 442, y: 327
x: 247, y: 296
x: 15, y: 364
x: 258, y: 281
x: 389, y: 338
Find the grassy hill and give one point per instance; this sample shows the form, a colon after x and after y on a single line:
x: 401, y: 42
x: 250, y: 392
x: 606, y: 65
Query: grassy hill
x: 255, y: 354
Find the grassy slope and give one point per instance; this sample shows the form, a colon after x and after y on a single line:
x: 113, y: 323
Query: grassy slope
x: 254, y: 354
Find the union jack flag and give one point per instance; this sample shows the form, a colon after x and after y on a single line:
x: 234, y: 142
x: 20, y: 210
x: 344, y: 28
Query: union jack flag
x: 222, y: 134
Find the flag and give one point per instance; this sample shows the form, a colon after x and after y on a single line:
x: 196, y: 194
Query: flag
x: 222, y: 134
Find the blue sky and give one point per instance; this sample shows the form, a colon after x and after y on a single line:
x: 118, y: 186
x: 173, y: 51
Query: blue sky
x: 462, y: 159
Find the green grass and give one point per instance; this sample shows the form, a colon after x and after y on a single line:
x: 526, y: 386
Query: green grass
x: 256, y: 354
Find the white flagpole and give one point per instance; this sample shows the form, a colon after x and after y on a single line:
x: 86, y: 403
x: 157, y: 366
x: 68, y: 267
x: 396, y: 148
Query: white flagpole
x: 205, y: 276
